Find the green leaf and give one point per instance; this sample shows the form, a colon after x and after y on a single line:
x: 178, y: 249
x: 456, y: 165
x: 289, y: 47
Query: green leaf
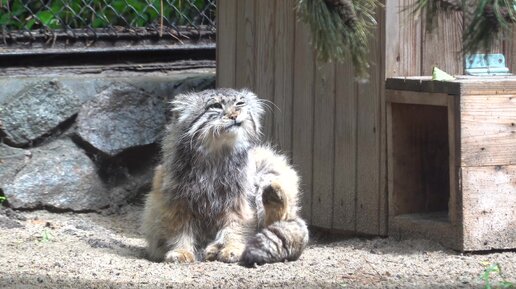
x: 5, y: 19
x: 45, y: 17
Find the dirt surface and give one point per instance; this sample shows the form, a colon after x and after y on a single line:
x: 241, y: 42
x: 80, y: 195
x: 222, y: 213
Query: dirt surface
x: 67, y: 250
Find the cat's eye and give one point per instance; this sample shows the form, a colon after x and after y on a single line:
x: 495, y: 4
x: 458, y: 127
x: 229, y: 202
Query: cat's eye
x: 215, y: 105
x: 240, y: 103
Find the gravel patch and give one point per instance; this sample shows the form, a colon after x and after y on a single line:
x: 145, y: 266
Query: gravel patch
x: 69, y: 250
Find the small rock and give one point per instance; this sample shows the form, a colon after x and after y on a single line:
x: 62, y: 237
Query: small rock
x: 8, y: 223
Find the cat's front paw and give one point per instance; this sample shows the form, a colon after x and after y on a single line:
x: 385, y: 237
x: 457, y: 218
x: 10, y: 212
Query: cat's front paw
x: 180, y: 256
x: 231, y: 253
x: 212, y: 251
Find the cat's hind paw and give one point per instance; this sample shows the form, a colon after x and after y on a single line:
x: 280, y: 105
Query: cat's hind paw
x: 275, y: 203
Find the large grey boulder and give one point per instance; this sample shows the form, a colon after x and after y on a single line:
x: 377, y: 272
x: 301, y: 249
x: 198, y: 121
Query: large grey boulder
x: 36, y: 110
x: 12, y: 160
x: 58, y: 175
x: 120, y: 117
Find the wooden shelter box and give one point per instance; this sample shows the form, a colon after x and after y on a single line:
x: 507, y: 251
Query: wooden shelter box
x: 451, y: 149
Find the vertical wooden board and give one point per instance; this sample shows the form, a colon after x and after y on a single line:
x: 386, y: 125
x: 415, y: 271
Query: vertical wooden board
x: 409, y: 41
x: 245, y: 66
x: 302, y: 118
x: 442, y: 47
x: 393, y: 36
x: 345, y: 148
x: 283, y: 73
x: 510, y: 50
x: 368, y: 146
x: 489, y: 204
x: 323, y: 154
x: 383, y: 205
x: 264, y: 60
x: 226, y: 42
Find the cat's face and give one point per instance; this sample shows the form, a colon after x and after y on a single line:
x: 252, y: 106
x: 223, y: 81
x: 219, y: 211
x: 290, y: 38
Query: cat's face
x: 219, y: 118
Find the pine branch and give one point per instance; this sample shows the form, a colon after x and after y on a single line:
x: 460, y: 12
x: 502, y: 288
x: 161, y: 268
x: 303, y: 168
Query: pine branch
x: 489, y: 21
x: 341, y: 29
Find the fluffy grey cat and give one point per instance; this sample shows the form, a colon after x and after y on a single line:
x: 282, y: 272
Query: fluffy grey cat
x: 218, y: 194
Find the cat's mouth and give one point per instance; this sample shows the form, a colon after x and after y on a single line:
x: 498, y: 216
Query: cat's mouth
x: 235, y: 124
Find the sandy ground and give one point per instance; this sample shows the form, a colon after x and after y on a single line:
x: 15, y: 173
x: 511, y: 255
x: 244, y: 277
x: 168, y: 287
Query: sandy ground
x: 67, y: 250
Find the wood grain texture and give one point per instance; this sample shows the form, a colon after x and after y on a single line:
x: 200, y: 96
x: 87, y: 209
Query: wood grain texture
x: 245, y: 43
x: 489, y: 202
x: 369, y: 145
x: 264, y: 59
x: 488, y: 130
x: 303, y: 116
x: 392, y: 39
x: 345, y: 149
x: 323, y: 153
x: 383, y: 206
x: 409, y: 41
x: 283, y: 73
x: 226, y: 42
x: 412, y: 97
x: 442, y: 46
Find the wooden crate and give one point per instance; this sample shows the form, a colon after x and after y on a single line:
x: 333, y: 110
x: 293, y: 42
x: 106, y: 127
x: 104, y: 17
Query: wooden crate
x: 452, y: 161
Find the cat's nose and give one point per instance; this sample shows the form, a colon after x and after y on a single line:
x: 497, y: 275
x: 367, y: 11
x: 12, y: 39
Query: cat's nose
x: 233, y: 115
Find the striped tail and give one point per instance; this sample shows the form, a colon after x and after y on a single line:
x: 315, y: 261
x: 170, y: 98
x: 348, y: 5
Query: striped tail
x: 280, y: 241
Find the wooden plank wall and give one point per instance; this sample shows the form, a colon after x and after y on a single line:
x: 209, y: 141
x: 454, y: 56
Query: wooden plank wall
x: 331, y: 126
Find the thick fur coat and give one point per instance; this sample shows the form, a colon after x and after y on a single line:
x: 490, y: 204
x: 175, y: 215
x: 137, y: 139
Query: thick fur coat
x: 218, y: 193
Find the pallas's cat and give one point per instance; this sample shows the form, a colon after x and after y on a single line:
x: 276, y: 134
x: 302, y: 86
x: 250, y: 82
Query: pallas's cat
x: 218, y: 193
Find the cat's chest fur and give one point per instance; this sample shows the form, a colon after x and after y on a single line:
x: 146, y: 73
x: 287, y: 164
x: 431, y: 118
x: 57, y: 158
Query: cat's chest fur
x: 211, y: 185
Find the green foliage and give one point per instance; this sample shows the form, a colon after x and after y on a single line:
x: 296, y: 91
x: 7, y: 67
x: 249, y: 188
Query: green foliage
x: 496, y: 270
x: 46, y: 236
x: 337, y: 36
x: 2, y: 199
x: 62, y: 14
x: 486, y: 23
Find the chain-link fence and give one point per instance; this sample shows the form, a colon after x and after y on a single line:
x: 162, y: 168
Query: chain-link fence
x: 46, y: 21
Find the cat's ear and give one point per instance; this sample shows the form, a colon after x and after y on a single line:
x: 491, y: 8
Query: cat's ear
x: 256, y: 104
x: 179, y: 105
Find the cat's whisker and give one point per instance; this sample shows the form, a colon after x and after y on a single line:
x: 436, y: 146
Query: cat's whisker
x: 267, y: 103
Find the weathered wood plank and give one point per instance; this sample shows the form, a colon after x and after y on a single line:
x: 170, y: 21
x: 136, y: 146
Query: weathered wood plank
x: 245, y: 63
x: 303, y: 116
x: 488, y: 130
x: 409, y: 57
x: 283, y: 73
x: 382, y: 189
x: 489, y: 202
x: 345, y: 149
x: 226, y: 42
x: 443, y: 45
x: 392, y: 39
x: 323, y: 154
x: 423, y: 98
x: 369, y: 146
x: 264, y: 53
